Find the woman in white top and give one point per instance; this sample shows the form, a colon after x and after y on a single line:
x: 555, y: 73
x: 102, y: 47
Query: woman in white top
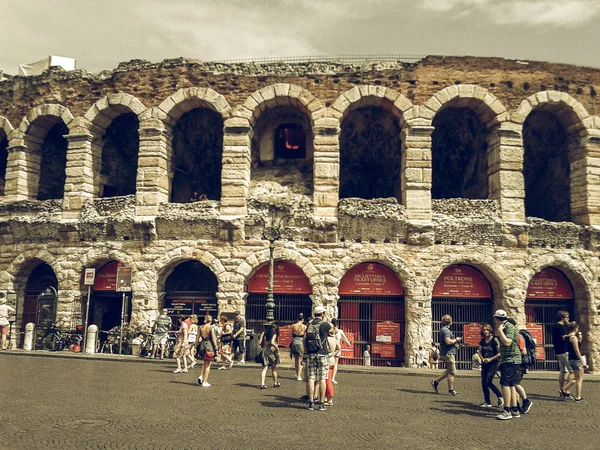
x: 192, y: 335
x: 341, y: 337
x: 5, y: 312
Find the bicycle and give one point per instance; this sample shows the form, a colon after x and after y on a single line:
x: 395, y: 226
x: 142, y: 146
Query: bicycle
x: 55, y: 339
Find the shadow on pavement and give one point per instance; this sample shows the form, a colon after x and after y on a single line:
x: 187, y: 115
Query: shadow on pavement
x: 417, y: 391
x: 481, y: 413
x: 546, y: 397
x: 248, y: 385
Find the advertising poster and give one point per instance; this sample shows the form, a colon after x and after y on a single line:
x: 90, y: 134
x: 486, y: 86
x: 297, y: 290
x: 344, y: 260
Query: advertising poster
x: 472, y: 333
x: 384, y: 350
x: 388, y: 332
x: 285, y: 336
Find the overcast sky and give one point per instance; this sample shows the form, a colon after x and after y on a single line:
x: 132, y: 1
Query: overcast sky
x: 101, y: 33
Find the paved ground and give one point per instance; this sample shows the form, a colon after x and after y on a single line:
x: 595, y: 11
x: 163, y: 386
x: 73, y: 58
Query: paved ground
x: 74, y: 403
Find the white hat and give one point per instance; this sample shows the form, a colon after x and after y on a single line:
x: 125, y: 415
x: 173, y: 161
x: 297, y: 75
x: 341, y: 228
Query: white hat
x: 320, y: 309
x: 500, y: 314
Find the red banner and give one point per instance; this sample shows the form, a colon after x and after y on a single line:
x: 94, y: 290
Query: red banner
x: 288, y: 278
x: 462, y: 282
x: 370, y: 279
x: 106, y: 277
x: 285, y: 336
x: 540, y: 353
x: 388, y: 332
x: 347, y: 351
x: 472, y: 333
x: 384, y: 350
x: 550, y: 283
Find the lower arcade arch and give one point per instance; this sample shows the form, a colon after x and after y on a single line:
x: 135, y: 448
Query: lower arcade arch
x: 37, y: 309
x: 464, y: 293
x: 106, y: 304
x: 372, y: 313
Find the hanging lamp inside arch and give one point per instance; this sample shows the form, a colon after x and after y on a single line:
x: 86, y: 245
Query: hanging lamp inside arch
x: 461, y: 281
x: 288, y: 278
x: 371, y: 278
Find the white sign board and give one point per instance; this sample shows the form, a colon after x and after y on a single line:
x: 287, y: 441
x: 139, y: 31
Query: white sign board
x: 90, y: 277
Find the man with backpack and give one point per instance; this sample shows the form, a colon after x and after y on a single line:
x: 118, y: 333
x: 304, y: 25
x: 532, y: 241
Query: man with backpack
x: 315, y: 347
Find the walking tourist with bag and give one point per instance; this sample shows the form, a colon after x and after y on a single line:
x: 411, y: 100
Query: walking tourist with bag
x: 270, y: 354
x: 206, y: 350
x: 315, y: 346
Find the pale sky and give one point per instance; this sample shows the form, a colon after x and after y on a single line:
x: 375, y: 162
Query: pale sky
x: 101, y: 33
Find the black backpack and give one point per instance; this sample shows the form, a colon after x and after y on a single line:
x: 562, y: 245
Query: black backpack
x: 530, y: 351
x: 313, y: 343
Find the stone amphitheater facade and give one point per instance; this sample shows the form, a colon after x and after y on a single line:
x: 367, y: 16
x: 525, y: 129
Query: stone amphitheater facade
x: 415, y: 235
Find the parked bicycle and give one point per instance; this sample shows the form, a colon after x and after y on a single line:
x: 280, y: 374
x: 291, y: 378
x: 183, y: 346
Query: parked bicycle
x: 55, y: 339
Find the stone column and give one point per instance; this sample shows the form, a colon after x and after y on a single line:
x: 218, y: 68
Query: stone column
x: 228, y: 302
x: 585, y: 176
x: 68, y: 309
x: 326, y: 184
x: 82, y: 172
x: 22, y: 172
x: 235, y: 175
x: 154, y: 162
x: 416, y: 172
x: 505, y: 171
x: 418, y: 323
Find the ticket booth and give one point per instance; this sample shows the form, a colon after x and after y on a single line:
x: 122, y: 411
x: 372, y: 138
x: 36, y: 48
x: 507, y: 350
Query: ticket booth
x: 371, y: 312
x: 463, y: 292
x: 106, y: 303
x: 549, y: 292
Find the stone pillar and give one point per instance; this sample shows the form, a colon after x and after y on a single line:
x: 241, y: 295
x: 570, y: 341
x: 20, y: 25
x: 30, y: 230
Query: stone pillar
x: 228, y: 302
x: 513, y: 302
x: 154, y: 162
x: 82, y: 172
x: 416, y: 172
x: 505, y: 171
x: 326, y: 185
x: 235, y: 175
x: 418, y: 323
x: 68, y: 309
x: 22, y: 172
x: 585, y: 176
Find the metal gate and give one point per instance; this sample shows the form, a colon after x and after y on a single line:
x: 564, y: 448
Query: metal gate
x: 463, y: 311
x: 360, y: 314
x: 543, y: 312
x: 287, y: 308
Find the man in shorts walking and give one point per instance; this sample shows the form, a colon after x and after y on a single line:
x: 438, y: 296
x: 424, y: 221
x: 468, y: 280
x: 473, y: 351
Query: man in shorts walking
x: 161, y: 333
x: 315, y: 347
x: 510, y: 367
x: 448, y: 355
x: 559, y: 331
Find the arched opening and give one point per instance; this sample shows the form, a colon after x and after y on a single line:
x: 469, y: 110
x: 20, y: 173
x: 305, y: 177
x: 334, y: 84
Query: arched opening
x: 291, y: 292
x: 3, y: 160
x: 370, y: 154
x: 282, y: 150
x: 459, y: 155
x: 118, y: 172
x: 106, y: 303
x: 464, y: 293
x: 53, y: 163
x: 371, y: 312
x: 197, y: 156
x: 191, y: 289
x: 546, y: 167
x: 38, y: 310
x: 549, y: 292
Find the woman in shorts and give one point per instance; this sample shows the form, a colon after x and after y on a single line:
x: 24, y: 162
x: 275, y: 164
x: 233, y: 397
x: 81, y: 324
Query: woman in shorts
x: 576, y: 360
x: 270, y: 354
x: 297, y: 346
x: 225, y: 340
x: 207, y: 348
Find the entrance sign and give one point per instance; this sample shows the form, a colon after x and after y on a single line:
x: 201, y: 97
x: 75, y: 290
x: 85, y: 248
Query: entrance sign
x: 347, y: 351
x: 540, y: 353
x: 550, y: 283
x: 472, y: 333
x: 89, y: 277
x: 106, y: 278
x: 387, y: 332
x: 123, y: 282
x: 288, y: 278
x: 463, y: 282
x: 384, y: 350
x: 371, y: 279
x: 285, y: 336
x: 181, y: 306
x: 537, y: 332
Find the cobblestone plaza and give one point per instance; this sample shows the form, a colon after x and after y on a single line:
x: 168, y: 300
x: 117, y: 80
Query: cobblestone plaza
x: 72, y: 403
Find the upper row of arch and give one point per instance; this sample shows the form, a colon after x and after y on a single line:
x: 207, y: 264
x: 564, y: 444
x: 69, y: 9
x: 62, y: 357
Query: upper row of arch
x: 488, y: 107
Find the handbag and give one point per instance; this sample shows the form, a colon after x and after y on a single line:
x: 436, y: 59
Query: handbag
x: 209, y: 356
x: 259, y: 358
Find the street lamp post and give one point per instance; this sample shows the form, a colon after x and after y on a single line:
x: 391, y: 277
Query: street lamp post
x: 272, y: 233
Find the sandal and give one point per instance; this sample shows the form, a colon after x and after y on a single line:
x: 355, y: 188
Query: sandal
x: 262, y: 386
x: 276, y: 385
x: 328, y: 403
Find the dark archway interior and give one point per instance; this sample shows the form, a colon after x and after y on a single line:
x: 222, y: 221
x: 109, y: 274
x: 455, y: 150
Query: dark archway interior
x: 459, y: 155
x: 3, y: 161
x: 370, y: 154
x: 197, y: 155
x: 41, y: 277
x: 546, y: 168
x: 53, y: 163
x: 191, y: 276
x: 120, y: 157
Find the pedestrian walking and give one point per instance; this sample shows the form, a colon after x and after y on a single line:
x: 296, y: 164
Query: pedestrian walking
x: 333, y: 345
x: 239, y: 337
x: 5, y: 312
x: 225, y: 338
x: 270, y: 354
x: 510, y: 367
x: 577, y: 362
x: 181, y: 346
x: 489, y: 355
x: 192, y: 338
x: 342, y: 338
x: 297, y: 345
x: 207, y: 348
x: 315, y: 346
x: 448, y: 344
x: 161, y: 328
x: 559, y: 333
